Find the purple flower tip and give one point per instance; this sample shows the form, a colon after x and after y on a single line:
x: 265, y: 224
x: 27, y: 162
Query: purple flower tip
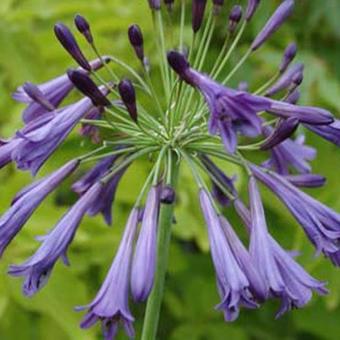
x: 251, y: 8
x: 86, y: 86
x: 274, y: 23
x: 70, y: 44
x: 288, y: 55
x: 37, y: 96
x: 179, y: 63
x: 128, y: 95
x: 83, y: 27
x: 168, y: 195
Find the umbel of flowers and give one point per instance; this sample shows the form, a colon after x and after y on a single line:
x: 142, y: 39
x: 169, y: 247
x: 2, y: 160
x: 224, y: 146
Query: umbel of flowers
x: 190, y: 115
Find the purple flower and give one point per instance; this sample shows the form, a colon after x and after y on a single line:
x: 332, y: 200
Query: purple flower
x: 54, y: 91
x: 329, y: 132
x: 290, y: 153
x: 38, y: 267
x: 285, y: 80
x: 260, y: 247
x: 104, y: 203
x: 36, y: 145
x: 6, y: 149
x: 111, y: 304
x: 28, y: 200
x: 251, y: 8
x: 320, y: 223
x: 233, y: 284
x: 144, y: 259
x: 298, y: 283
x: 274, y: 23
x: 233, y: 111
x: 198, y: 9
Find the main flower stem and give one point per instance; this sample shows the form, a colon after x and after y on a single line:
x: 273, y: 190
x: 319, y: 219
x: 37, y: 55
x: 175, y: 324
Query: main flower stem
x: 154, y: 303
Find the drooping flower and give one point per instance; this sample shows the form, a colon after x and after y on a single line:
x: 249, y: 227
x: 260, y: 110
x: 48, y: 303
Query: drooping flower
x: 37, y: 269
x: 144, y: 259
x: 36, y: 146
x: 110, y: 306
x: 320, y: 223
x: 298, y: 283
x: 233, y: 285
x: 28, y: 200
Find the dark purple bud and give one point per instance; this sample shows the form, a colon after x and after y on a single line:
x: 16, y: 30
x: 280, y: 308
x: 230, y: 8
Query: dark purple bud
x: 155, y: 4
x: 169, y: 4
x: 217, y: 6
x: 297, y: 78
x: 306, y: 180
x: 293, y: 97
x: 128, y: 95
x: 288, y: 55
x: 168, y: 195
x: 179, y: 63
x: 251, y: 8
x: 283, y: 131
x: 198, y: 8
x: 86, y: 86
x: 234, y: 17
x: 83, y: 27
x: 37, y: 96
x: 136, y: 40
x: 70, y: 44
x: 274, y: 23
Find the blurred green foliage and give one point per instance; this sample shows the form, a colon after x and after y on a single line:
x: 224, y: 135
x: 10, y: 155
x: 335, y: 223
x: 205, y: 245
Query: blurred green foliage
x: 30, y: 52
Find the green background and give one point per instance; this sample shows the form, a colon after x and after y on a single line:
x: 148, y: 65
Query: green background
x: 29, y: 51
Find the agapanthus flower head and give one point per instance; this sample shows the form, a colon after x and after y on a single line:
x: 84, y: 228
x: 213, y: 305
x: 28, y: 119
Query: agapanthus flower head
x: 191, y: 115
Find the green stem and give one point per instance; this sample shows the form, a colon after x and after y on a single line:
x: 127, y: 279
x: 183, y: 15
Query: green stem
x: 164, y: 235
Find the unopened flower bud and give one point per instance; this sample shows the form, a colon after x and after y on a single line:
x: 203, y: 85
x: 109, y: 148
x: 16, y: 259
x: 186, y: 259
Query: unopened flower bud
x: 136, y: 41
x: 234, y: 18
x: 168, y: 195
x: 128, y: 95
x: 86, y: 86
x: 198, y: 9
x: 251, y: 8
x: 70, y: 44
x: 274, y: 23
x: 178, y: 62
x: 293, y: 97
x: 155, y: 4
x: 288, y: 56
x: 297, y: 79
x: 83, y: 27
